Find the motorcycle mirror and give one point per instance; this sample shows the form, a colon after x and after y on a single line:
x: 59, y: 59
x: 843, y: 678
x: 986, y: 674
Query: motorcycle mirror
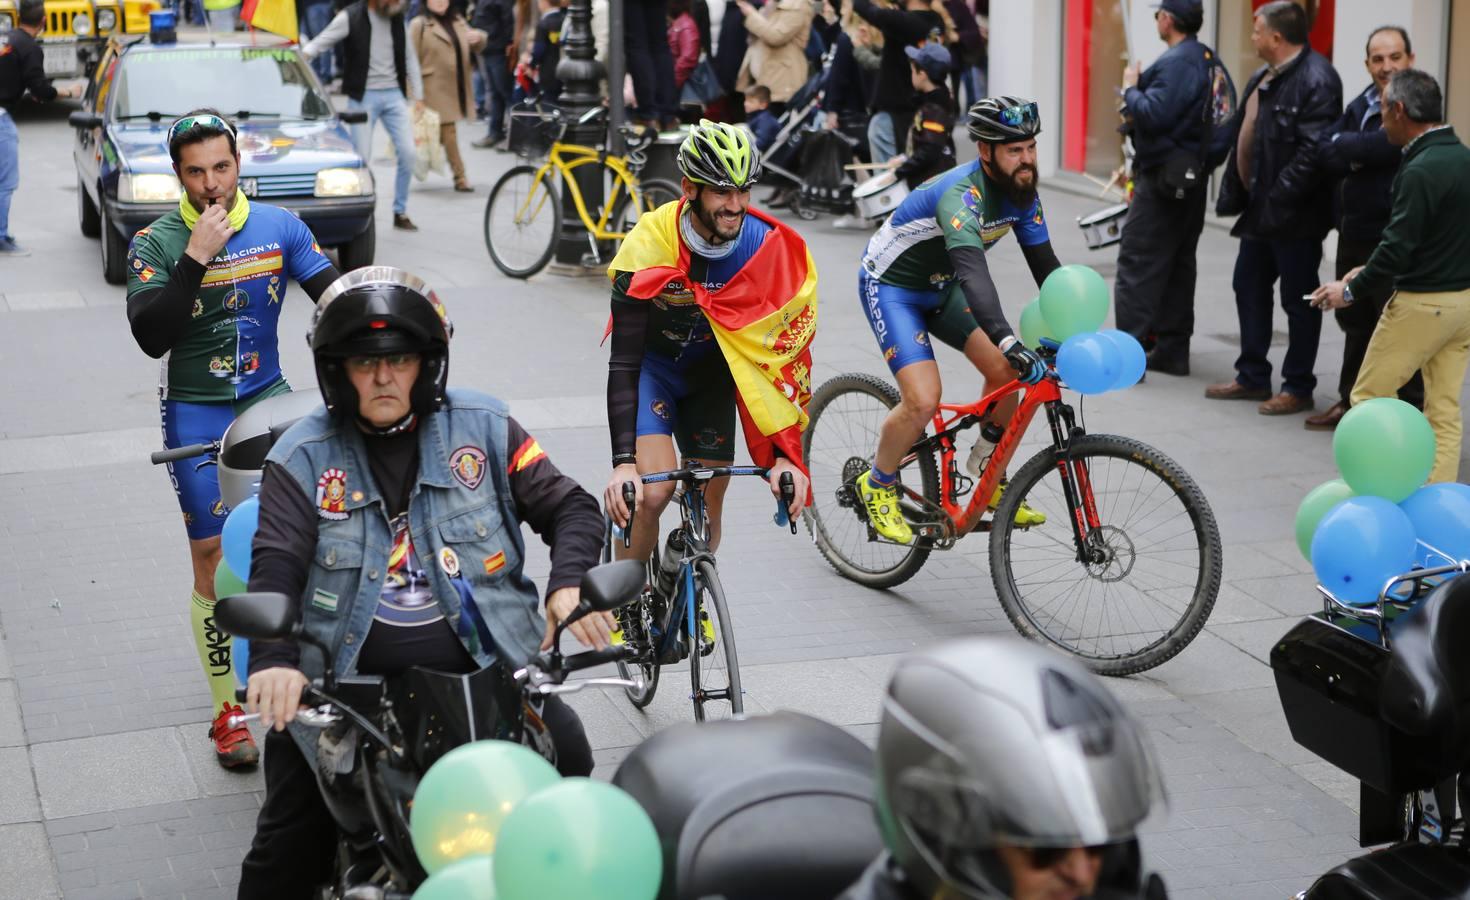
x: 261, y: 616
x: 614, y: 584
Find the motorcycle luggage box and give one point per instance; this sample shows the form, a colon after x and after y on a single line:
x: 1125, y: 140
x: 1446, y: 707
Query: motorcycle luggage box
x: 1330, y: 680
x: 1411, y: 871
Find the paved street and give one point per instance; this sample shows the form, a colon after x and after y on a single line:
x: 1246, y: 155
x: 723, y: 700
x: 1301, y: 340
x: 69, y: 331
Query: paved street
x: 107, y: 786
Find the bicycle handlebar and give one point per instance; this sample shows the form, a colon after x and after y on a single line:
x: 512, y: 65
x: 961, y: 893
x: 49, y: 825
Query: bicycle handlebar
x: 630, y: 497
x: 167, y: 456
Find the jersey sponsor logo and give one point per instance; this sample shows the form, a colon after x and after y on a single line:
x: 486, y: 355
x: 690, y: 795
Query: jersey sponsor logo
x: 274, y: 290
x: 467, y: 464
x: 526, y: 455
x: 218, y: 509
x: 331, y: 495
x: 221, y: 366
x: 875, y: 314
x: 198, y: 308
x: 236, y: 300
x: 921, y: 338
x: 249, y: 362
x: 245, y: 265
x: 495, y: 563
x: 660, y: 408
x: 972, y: 199
x: 710, y: 438
x: 889, y: 354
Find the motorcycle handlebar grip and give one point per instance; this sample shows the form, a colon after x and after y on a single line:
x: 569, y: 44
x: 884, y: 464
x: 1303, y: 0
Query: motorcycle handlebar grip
x: 178, y: 453
x: 240, y: 694
x: 590, y: 658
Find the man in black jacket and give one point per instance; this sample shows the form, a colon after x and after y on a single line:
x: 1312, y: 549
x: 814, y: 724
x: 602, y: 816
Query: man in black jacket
x: 1284, y: 212
x: 893, y: 106
x: 1358, y: 156
x: 1164, y: 105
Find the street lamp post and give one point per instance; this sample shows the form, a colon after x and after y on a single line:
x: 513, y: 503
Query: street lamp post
x: 580, y: 74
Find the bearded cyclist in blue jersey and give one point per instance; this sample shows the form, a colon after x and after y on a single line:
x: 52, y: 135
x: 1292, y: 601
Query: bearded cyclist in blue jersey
x: 206, y: 283
x: 924, y: 272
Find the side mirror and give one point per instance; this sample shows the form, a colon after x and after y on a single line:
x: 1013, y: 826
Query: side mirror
x: 257, y: 617
x: 353, y: 116
x: 614, y: 584
x: 81, y: 118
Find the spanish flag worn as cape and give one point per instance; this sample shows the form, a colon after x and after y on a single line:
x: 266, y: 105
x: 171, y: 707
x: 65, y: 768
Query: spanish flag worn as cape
x: 763, y: 319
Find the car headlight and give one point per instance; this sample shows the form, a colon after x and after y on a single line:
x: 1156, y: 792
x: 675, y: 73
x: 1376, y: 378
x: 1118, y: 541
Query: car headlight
x: 106, y: 19
x: 147, y: 188
x: 81, y: 25
x: 344, y: 182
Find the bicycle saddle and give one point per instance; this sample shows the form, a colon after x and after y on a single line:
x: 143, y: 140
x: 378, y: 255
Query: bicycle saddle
x: 1426, y: 686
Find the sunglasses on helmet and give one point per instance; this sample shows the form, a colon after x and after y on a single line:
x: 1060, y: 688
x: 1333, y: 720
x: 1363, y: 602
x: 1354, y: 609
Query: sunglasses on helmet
x: 1046, y: 857
x: 206, y: 120
x: 1025, y: 113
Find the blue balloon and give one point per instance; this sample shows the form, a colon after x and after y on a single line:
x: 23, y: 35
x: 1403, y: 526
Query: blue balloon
x: 1089, y: 363
x: 1441, y: 517
x: 1360, y: 544
x: 240, y: 659
x: 239, y: 532
x: 1133, y: 359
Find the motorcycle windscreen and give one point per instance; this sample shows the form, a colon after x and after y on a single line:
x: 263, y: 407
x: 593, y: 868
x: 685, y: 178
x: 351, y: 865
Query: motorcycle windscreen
x: 439, y: 711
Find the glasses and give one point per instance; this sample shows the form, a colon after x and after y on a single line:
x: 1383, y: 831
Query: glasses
x: 367, y: 365
x: 1026, y: 113
x: 205, y: 120
x: 1046, y: 857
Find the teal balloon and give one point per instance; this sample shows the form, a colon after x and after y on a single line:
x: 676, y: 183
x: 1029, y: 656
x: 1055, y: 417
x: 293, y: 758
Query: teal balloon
x: 1132, y: 358
x: 1089, y: 363
x: 1359, y: 545
x: 464, y: 799
x: 239, y: 532
x: 1318, y: 502
x: 1033, y: 324
x: 1074, y: 300
x: 468, y: 879
x: 1384, y: 448
x: 580, y: 838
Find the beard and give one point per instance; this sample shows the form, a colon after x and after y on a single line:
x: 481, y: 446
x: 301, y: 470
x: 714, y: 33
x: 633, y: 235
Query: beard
x: 712, y: 223
x: 1021, y: 195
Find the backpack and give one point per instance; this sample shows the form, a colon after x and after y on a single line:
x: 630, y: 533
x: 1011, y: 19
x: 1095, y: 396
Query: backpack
x: 1221, y: 114
x: 826, y: 185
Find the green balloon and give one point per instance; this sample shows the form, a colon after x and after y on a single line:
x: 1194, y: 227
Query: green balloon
x: 468, y: 879
x: 1318, y: 502
x: 580, y: 838
x: 1033, y: 324
x: 226, y: 582
x: 1384, y: 448
x: 1074, y: 300
x: 464, y: 799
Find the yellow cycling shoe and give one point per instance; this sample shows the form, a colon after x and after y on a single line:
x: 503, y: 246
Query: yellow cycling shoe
x: 1026, y: 517
x: 706, y: 630
x: 883, y: 511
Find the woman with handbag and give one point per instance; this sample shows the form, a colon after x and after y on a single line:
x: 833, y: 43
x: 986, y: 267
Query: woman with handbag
x: 683, y: 41
x: 447, y: 46
x: 776, y: 56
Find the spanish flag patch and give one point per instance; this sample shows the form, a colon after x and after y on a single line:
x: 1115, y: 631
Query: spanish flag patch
x: 528, y: 453
x: 495, y: 563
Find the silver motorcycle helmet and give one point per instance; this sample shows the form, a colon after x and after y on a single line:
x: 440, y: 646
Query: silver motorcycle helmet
x: 249, y: 438
x: 993, y: 741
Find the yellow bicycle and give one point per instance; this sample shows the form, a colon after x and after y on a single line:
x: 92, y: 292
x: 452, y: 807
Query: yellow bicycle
x: 523, y: 218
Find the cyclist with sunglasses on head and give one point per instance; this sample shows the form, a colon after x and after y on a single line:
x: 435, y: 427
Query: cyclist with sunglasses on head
x: 206, y: 283
x: 924, y: 273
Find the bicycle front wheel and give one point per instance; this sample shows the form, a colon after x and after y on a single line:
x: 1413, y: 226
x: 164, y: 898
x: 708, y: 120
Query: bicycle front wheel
x: 522, y: 222
x: 636, y: 622
x: 847, y: 414
x: 1146, y: 580
x: 714, y: 668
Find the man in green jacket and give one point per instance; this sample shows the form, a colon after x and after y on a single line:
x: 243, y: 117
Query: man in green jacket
x: 1423, y: 262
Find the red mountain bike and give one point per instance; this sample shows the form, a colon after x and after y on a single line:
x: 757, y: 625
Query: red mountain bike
x: 1124, y: 571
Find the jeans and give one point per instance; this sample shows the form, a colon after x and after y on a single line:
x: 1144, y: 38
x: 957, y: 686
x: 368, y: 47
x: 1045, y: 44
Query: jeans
x: 389, y: 107
x: 316, y: 17
x: 1154, y: 294
x: 1258, y: 266
x: 499, y: 83
x: 9, y: 170
x: 882, y: 144
x: 646, y: 42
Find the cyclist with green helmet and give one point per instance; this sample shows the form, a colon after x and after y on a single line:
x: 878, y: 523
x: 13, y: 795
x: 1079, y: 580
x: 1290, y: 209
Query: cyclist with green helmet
x: 924, y: 272
x: 668, y: 380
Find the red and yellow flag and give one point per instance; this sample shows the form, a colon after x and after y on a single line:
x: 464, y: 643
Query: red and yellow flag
x: 764, y: 320
x: 275, y: 16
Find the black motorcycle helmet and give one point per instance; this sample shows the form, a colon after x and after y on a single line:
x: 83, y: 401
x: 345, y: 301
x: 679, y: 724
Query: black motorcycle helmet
x: 375, y: 311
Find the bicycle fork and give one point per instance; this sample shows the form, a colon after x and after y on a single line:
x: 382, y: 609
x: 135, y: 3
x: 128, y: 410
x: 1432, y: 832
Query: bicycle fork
x: 1076, y: 482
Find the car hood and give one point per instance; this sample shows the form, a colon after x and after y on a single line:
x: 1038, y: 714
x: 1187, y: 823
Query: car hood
x: 266, y: 148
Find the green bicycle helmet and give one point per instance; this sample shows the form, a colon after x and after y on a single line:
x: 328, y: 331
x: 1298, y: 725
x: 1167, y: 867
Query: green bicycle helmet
x: 721, y: 155
x: 1002, y: 120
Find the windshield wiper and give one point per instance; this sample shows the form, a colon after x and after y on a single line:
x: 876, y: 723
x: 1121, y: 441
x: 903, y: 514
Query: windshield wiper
x: 151, y: 115
x: 246, y: 114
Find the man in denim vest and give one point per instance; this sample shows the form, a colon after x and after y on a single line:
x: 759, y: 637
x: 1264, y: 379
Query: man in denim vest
x: 394, y: 514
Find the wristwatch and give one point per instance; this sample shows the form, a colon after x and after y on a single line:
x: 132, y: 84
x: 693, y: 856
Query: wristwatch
x: 1347, y: 294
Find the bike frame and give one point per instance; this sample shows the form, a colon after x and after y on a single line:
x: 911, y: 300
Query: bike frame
x: 565, y: 159
x: 951, y: 418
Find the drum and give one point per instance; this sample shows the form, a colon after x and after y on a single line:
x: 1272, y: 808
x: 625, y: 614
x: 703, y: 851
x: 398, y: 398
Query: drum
x: 1104, y: 228
x: 879, y: 195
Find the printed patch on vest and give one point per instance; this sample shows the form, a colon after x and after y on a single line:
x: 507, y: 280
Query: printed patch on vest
x: 324, y: 600
x: 331, y: 494
x: 449, y: 562
x: 468, y: 465
x: 494, y: 563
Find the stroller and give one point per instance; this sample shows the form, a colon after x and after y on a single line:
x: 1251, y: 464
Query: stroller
x: 808, y: 159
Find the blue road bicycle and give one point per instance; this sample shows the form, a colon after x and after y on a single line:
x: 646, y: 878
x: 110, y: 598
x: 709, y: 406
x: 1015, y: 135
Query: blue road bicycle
x: 682, y: 614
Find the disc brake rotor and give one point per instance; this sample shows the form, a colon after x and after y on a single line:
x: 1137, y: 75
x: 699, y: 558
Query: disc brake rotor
x: 1111, y: 554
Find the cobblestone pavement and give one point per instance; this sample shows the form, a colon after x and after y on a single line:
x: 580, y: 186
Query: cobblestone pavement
x: 107, y: 788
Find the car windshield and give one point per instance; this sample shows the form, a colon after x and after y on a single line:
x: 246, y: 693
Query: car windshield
x: 267, y: 82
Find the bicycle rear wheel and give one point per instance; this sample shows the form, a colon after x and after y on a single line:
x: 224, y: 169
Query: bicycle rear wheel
x: 522, y: 222
x: 847, y: 413
x: 654, y: 192
x: 714, y: 668
x: 1152, y: 569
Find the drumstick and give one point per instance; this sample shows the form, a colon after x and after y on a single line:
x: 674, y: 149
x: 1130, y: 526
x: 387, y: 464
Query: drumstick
x: 856, y: 167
